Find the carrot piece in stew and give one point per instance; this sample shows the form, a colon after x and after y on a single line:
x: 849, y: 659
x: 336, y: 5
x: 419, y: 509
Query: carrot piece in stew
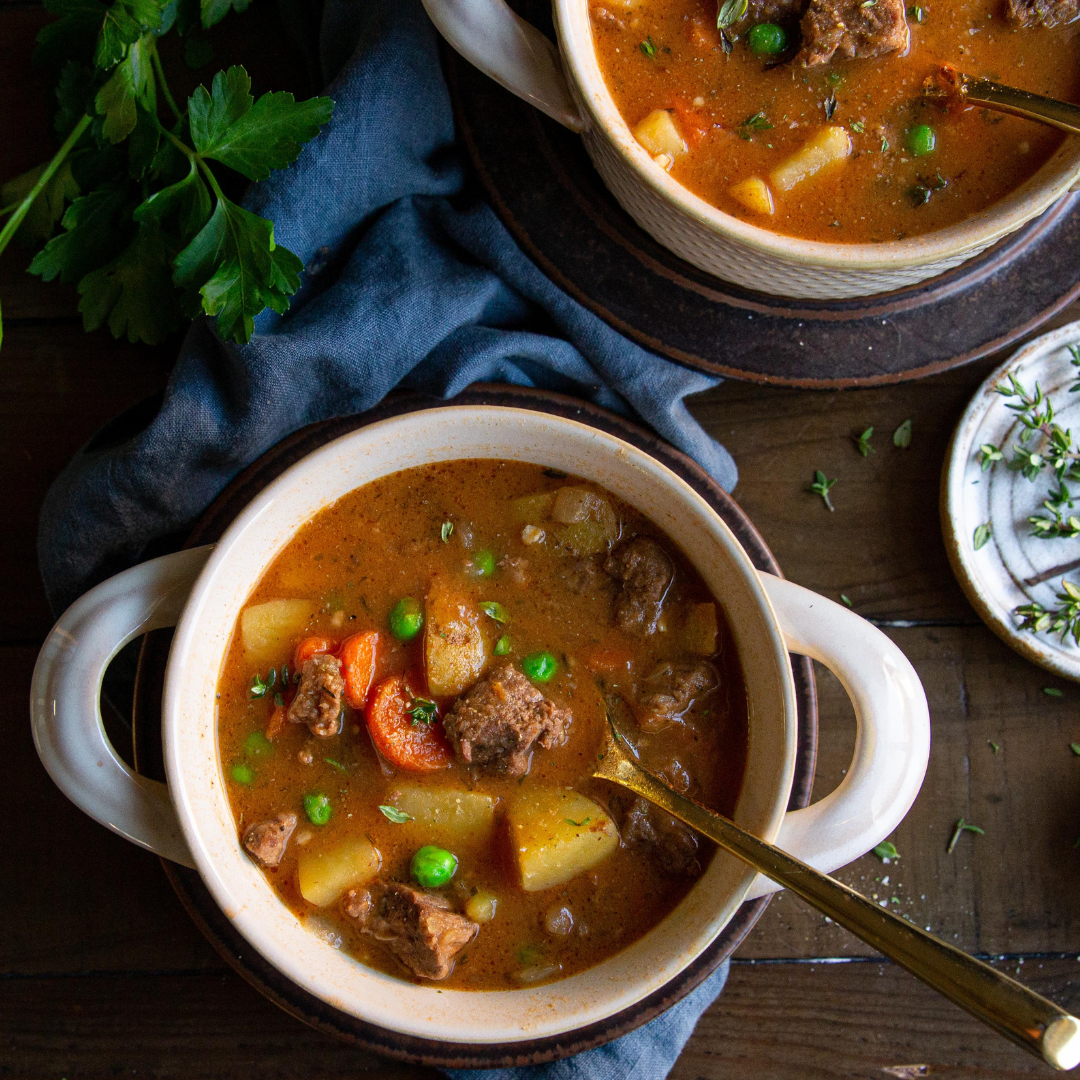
x: 608, y: 658
x: 358, y: 666
x: 405, y: 740
x: 276, y: 724
x: 309, y: 647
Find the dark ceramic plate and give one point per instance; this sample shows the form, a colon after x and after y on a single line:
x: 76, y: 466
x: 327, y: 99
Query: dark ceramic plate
x: 542, y: 185
x: 267, y: 979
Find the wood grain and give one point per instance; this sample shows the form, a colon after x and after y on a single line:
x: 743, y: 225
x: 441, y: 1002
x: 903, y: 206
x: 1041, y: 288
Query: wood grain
x: 57, y: 387
x: 882, y: 547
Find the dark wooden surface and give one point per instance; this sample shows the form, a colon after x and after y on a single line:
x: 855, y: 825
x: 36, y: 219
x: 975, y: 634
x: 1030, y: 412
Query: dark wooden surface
x: 103, y: 975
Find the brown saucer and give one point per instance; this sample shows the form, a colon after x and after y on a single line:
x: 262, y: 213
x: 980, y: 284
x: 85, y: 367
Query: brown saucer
x: 538, y: 178
x: 220, y: 932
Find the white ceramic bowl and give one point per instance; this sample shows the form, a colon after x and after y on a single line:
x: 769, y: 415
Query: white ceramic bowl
x: 203, y: 590
x: 567, y: 85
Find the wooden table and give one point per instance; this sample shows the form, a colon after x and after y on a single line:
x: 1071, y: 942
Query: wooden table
x: 103, y: 974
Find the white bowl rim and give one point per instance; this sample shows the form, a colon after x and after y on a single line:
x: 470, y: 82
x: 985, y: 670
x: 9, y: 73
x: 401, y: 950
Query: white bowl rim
x: 1051, y: 182
x: 292, y: 953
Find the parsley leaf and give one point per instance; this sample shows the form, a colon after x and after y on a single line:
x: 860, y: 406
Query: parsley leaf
x: 862, y: 443
x: 252, y: 138
x: 73, y: 35
x: 48, y: 208
x: 886, y: 850
x: 392, y: 813
x: 821, y: 486
x: 234, y: 264
x: 124, y: 23
x: 423, y: 711
x: 134, y: 293
x: 981, y: 537
x: 131, y: 81
x: 93, y: 235
x: 213, y: 11
x: 494, y: 610
x: 902, y: 435
x: 186, y: 203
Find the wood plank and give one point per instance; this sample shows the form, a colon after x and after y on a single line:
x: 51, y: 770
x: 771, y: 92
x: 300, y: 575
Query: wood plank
x: 773, y: 1022
x: 853, y: 1022
x: 882, y: 547
x: 166, y: 1025
x: 57, y: 387
x: 1010, y: 891
x: 74, y: 896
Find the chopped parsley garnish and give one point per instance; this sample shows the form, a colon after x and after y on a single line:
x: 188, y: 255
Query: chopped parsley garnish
x: 423, y: 711
x: 446, y: 531
x: 648, y: 48
x: 392, y: 813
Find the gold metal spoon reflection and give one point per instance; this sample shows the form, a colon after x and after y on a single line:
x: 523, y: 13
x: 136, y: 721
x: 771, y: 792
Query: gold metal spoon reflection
x: 952, y: 84
x: 1030, y: 1020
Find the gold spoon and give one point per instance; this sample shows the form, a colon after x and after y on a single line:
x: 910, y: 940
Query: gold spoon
x: 1027, y: 1018
x: 955, y: 85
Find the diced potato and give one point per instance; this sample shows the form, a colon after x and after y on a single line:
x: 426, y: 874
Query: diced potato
x: 532, y: 509
x: 447, y: 814
x: 323, y: 876
x: 455, y: 649
x: 755, y: 195
x: 659, y: 134
x: 480, y: 907
x: 269, y: 630
x: 829, y: 146
x: 589, y: 522
x: 558, y: 834
x: 700, y: 629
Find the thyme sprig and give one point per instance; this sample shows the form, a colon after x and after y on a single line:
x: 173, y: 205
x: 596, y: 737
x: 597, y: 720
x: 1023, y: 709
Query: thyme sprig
x: 1044, y: 445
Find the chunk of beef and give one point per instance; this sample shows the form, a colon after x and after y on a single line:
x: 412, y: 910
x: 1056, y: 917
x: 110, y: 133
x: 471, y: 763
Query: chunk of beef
x: 773, y: 11
x: 585, y: 577
x: 645, y: 571
x: 1049, y: 13
x: 853, y: 29
x: 671, y: 689
x: 669, y: 843
x: 496, y: 724
x: 419, y: 928
x: 265, y: 841
x: 318, y: 697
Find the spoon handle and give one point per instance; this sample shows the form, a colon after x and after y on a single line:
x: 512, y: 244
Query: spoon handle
x: 1007, y: 99
x: 1027, y: 1018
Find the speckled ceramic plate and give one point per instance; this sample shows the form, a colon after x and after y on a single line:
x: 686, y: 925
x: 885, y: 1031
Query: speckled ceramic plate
x: 1012, y: 567
x: 291, y: 997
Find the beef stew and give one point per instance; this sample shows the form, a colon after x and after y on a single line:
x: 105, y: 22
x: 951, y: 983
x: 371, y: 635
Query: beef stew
x: 413, y: 700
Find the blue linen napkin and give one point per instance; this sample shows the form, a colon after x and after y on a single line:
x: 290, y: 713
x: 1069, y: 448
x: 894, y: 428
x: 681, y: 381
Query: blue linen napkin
x: 410, y: 281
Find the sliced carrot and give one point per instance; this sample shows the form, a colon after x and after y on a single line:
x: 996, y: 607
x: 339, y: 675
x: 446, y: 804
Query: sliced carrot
x: 276, y: 724
x: 608, y: 659
x: 358, y: 666
x: 414, y: 747
x: 310, y: 647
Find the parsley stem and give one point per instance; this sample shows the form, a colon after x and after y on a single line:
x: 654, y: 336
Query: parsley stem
x: 210, y: 177
x: 160, y: 72
x: 23, y: 208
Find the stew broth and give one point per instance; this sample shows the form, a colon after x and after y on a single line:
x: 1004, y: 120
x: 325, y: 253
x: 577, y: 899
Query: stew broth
x: 458, y: 523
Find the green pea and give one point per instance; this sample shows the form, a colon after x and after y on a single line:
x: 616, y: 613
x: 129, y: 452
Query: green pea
x: 767, y: 39
x: 539, y: 666
x: 258, y: 745
x: 243, y: 774
x: 921, y: 140
x: 483, y: 564
x: 406, y: 618
x: 433, y: 866
x: 318, y: 809
x: 502, y: 646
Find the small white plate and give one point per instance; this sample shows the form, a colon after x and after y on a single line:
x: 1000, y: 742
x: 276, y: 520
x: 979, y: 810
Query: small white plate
x: 1006, y: 572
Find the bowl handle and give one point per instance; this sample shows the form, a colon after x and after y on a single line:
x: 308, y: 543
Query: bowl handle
x: 892, y: 742
x: 65, y: 699
x: 509, y: 50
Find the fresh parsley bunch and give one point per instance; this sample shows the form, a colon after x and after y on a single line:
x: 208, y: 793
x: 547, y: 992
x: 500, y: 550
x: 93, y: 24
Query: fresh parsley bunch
x: 146, y: 232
